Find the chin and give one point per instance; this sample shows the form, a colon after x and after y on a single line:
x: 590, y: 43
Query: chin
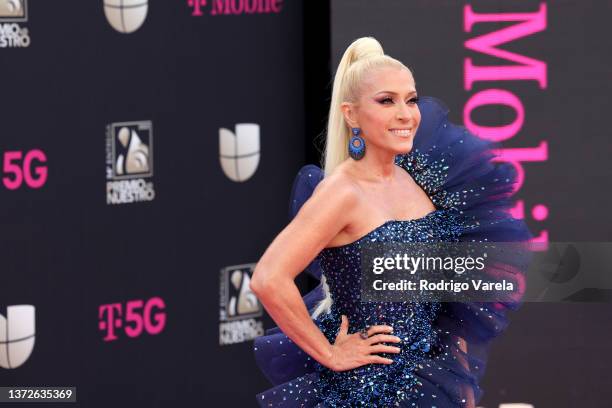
x: 404, y: 148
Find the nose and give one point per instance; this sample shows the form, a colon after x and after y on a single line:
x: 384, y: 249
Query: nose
x: 404, y: 112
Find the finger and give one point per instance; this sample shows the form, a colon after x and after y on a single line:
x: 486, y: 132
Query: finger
x: 379, y: 329
x: 383, y: 338
x: 344, y: 325
x: 384, y: 349
x: 379, y: 360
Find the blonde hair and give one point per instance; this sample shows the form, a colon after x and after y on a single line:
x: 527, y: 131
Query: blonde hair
x: 360, y: 58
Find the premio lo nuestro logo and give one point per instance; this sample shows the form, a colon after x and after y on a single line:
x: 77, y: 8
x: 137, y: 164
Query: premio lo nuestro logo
x: 129, y: 162
x: 240, y: 309
x: 17, y: 331
x: 239, y: 152
x: 126, y: 16
x: 12, y: 34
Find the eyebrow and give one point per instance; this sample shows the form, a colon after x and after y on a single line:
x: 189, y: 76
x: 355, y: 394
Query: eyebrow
x: 394, y: 93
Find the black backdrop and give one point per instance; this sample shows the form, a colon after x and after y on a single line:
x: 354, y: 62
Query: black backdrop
x: 68, y: 253
x: 553, y: 355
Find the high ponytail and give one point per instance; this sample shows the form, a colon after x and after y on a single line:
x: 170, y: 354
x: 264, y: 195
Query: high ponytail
x: 360, y: 57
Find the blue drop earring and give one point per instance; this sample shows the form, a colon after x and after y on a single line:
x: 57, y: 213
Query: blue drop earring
x: 356, y: 146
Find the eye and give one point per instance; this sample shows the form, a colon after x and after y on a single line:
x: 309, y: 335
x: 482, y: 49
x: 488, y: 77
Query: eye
x: 386, y: 100
x: 413, y: 101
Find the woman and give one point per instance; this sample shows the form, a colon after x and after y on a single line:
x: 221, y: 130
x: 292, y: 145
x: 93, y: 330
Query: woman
x: 439, y: 186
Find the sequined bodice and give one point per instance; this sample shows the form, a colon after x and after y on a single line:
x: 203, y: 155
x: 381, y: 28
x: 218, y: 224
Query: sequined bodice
x: 342, y: 266
x: 442, y: 344
x: 412, y: 322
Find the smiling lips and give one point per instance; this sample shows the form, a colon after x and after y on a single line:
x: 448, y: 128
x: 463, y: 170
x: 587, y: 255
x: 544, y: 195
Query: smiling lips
x: 401, y: 132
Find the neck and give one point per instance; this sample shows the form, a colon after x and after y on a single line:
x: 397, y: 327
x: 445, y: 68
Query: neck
x: 377, y: 165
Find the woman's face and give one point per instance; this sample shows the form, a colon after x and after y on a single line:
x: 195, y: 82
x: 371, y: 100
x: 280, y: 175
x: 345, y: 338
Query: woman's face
x: 387, y: 110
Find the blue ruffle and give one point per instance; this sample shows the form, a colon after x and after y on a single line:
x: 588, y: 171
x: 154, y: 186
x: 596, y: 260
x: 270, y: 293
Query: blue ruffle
x: 456, y: 170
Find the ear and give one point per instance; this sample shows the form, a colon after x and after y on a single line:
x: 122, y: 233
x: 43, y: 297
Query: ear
x: 350, y: 114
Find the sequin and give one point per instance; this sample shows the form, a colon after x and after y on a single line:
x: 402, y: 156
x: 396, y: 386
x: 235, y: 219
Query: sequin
x: 452, y: 167
x: 383, y: 385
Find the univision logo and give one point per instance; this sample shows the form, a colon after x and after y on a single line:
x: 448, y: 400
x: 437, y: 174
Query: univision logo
x: 126, y: 16
x: 239, y: 152
x: 16, y: 335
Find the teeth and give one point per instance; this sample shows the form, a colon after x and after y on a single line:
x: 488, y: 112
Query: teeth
x: 402, y: 132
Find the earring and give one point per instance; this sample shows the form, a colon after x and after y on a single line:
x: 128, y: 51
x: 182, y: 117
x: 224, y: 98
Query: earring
x: 356, y: 146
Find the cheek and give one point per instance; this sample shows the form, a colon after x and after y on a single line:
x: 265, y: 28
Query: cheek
x: 417, y: 116
x: 376, y: 122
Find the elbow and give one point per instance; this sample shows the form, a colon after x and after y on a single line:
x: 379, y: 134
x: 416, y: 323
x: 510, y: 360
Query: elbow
x: 259, y: 283
x: 264, y: 283
x: 256, y: 286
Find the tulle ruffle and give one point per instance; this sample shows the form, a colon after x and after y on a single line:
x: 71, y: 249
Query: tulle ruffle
x: 456, y: 170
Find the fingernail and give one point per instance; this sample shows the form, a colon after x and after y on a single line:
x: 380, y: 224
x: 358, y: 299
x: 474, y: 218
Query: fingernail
x: 398, y: 339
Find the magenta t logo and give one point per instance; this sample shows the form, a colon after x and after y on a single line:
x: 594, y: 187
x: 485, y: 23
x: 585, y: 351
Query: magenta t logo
x: 139, y: 316
x: 111, y: 321
x: 197, y: 6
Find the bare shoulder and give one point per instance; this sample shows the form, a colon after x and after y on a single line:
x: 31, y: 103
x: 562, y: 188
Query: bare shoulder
x: 338, y: 189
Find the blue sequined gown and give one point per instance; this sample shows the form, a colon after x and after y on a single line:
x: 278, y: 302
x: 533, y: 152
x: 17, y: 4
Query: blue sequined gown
x: 443, y: 345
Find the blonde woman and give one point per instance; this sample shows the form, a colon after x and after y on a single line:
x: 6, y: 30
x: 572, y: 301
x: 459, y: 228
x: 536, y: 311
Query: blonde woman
x: 382, y: 182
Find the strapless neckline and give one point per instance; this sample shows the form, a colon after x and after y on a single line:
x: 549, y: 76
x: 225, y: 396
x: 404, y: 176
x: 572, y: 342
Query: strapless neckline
x: 383, y: 225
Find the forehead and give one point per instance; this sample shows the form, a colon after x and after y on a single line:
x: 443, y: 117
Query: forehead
x: 392, y: 79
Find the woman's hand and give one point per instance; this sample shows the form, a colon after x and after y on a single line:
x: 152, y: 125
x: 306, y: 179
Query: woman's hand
x: 352, y: 350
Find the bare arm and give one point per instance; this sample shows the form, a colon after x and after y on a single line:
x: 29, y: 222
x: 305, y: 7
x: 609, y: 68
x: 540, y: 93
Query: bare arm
x: 321, y: 218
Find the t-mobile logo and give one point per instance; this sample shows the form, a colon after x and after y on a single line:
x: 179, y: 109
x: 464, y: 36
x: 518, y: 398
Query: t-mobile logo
x: 234, y: 7
x: 139, y: 315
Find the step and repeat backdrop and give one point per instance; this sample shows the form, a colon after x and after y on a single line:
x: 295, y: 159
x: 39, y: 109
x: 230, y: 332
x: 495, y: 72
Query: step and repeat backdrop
x: 534, y: 76
x: 147, y: 151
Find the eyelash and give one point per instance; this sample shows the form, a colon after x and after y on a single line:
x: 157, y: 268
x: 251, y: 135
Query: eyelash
x: 413, y: 100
